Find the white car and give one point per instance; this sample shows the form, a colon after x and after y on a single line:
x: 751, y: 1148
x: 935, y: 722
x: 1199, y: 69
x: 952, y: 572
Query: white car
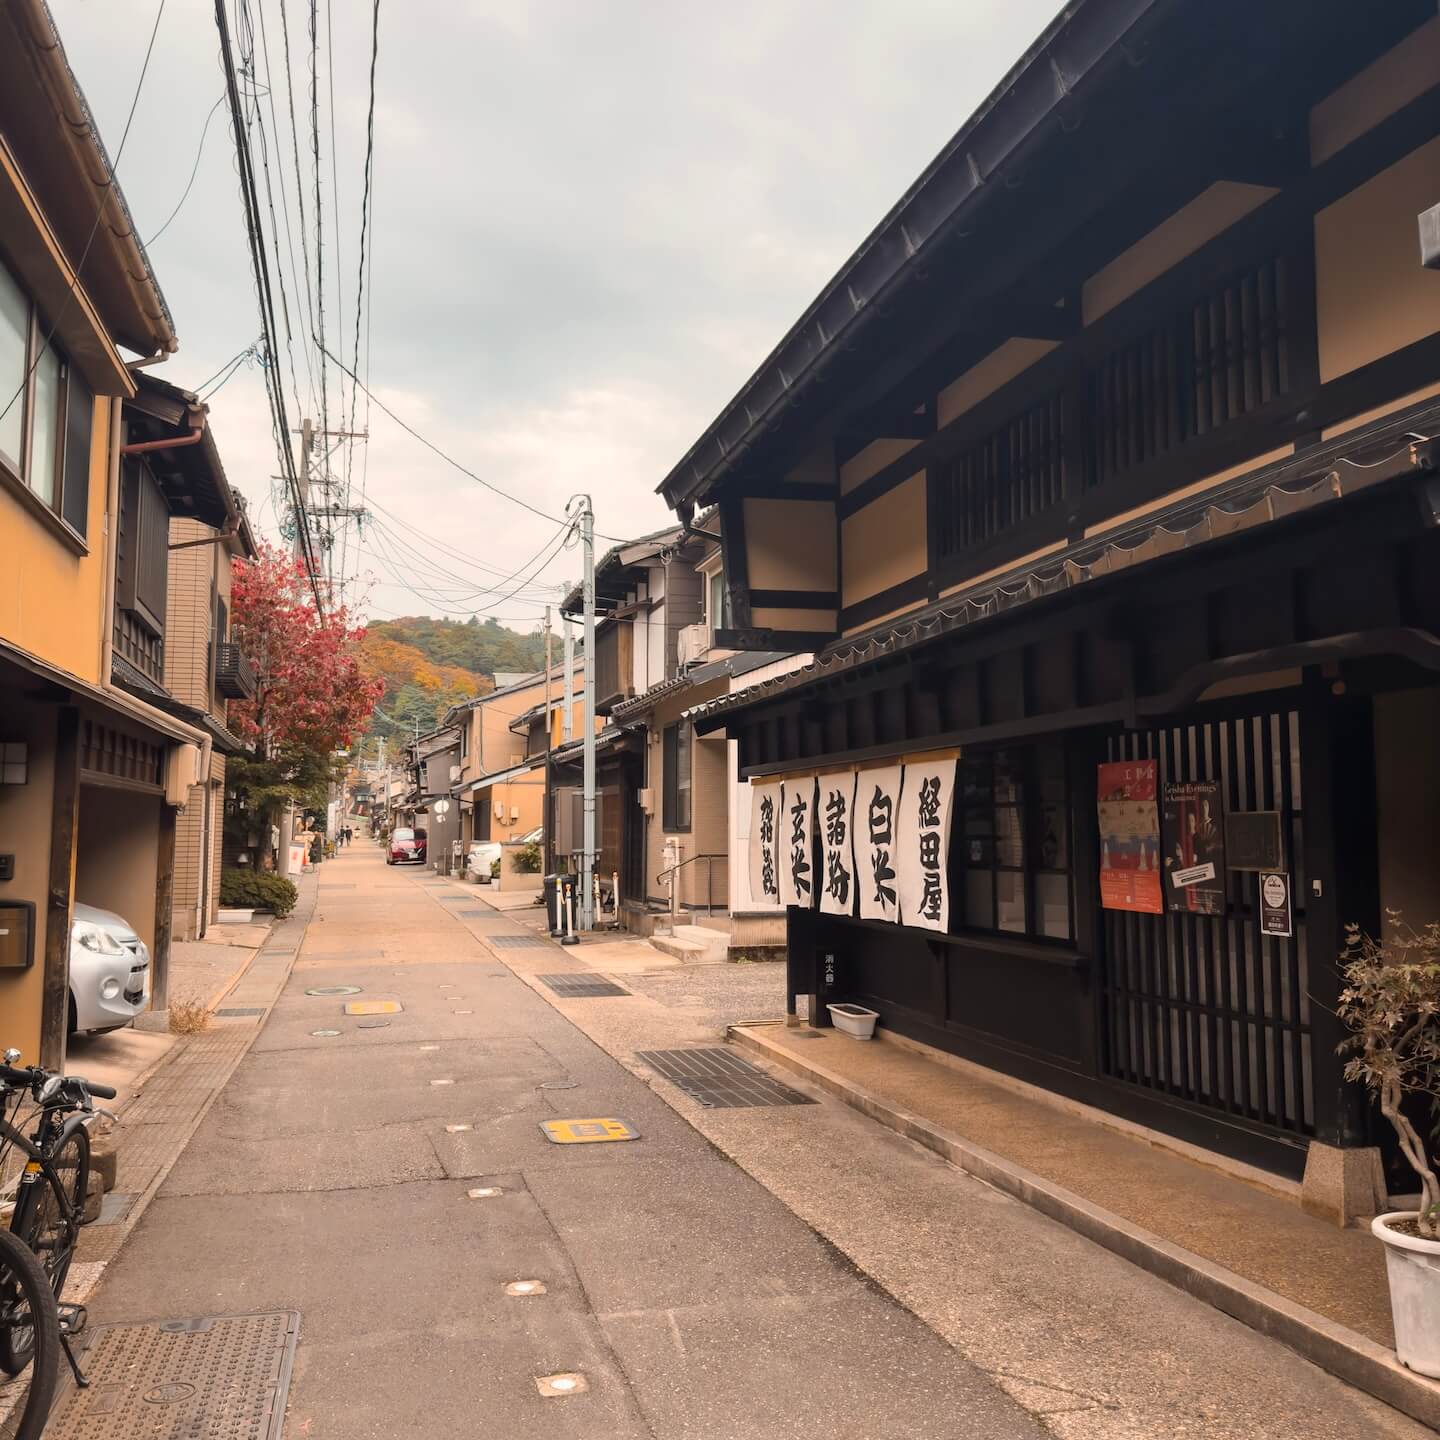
x: 109, y: 971
x: 482, y: 854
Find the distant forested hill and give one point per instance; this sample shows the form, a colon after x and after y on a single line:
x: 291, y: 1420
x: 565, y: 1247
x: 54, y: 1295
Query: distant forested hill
x: 429, y: 665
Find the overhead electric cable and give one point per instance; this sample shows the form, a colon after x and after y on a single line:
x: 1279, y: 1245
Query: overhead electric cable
x: 194, y: 171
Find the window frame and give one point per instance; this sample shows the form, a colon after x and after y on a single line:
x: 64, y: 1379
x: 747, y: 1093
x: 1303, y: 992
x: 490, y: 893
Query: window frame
x: 1028, y: 809
x: 70, y: 389
x: 677, y: 753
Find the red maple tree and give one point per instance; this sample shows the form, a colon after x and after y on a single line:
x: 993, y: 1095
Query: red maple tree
x: 312, y: 696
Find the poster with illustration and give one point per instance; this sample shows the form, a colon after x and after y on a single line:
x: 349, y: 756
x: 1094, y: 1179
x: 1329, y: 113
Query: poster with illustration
x: 1129, y: 837
x: 1194, y: 831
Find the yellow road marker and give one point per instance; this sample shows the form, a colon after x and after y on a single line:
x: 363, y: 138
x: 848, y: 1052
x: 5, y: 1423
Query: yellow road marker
x: 587, y: 1132
x: 373, y: 1007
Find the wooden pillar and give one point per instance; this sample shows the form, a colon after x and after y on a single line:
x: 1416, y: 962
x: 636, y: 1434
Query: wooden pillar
x: 64, y: 816
x: 1337, y: 760
x: 164, y: 909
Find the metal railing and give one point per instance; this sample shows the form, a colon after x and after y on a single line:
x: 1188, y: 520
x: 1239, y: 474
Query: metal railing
x: 667, y: 877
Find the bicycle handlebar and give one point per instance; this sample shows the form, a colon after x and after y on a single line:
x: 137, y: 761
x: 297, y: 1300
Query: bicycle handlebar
x: 32, y: 1077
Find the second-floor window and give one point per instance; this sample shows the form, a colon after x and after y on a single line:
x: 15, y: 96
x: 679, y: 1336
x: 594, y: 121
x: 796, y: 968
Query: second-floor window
x: 142, y: 550
x: 715, y: 601
x: 46, y: 412
x: 675, y: 762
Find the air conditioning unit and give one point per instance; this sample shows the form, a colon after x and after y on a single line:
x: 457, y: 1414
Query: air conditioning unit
x: 692, y: 643
x: 645, y: 799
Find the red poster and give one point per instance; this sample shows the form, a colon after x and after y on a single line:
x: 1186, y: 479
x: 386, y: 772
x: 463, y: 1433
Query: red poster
x: 1129, y: 837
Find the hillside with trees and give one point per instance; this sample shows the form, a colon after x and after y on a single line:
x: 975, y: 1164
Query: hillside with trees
x: 427, y: 665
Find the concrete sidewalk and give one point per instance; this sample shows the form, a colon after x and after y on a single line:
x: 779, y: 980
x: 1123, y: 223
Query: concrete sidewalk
x: 1096, y: 1347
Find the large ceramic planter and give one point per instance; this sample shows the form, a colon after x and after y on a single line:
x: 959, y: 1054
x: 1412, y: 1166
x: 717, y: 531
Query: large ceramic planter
x: 1413, y: 1267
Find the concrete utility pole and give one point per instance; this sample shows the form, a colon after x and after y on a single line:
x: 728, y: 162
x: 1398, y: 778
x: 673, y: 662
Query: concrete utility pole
x: 587, y: 858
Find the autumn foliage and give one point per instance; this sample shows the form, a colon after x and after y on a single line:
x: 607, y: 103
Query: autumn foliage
x: 313, y: 694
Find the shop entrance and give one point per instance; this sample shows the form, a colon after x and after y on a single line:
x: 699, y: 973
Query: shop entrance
x: 1213, y: 1008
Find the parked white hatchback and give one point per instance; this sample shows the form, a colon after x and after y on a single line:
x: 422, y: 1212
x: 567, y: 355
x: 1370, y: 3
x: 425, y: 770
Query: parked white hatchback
x: 109, y: 971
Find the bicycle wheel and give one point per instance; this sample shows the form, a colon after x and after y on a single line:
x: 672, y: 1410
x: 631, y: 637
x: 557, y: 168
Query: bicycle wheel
x: 27, y: 1303
x: 47, y: 1220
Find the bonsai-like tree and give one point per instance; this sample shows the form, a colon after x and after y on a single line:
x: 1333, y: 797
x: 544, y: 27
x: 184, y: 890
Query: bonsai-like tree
x: 1390, y: 1002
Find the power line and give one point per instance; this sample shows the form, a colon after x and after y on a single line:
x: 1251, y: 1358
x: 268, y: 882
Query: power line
x: 194, y: 171
x: 260, y: 265
x: 450, y: 459
x: 99, y: 211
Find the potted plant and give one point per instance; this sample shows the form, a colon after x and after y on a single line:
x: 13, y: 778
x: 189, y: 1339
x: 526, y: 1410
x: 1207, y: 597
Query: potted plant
x: 1390, y: 1001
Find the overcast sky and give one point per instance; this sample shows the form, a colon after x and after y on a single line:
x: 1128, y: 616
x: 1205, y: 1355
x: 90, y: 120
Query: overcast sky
x: 591, y: 222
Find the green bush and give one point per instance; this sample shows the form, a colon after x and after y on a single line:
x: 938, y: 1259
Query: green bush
x: 257, y: 890
x: 529, y: 859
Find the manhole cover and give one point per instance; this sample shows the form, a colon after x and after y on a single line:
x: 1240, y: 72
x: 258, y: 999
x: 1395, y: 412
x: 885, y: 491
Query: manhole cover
x: 334, y: 990
x: 519, y: 942
x: 221, y: 1376
x: 720, y: 1079
x: 325, y: 1034
x: 582, y: 986
x: 234, y: 1010
x: 587, y: 1132
x: 557, y: 1085
x: 373, y: 1007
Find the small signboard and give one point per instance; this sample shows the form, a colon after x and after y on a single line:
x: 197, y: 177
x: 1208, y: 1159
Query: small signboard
x: 587, y: 1132
x: 1275, y: 913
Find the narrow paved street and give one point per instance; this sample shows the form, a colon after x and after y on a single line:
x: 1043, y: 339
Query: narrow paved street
x: 331, y: 1178
x: 390, y: 1181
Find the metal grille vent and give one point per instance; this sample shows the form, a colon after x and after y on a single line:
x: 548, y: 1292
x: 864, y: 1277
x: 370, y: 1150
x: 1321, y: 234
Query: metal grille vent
x: 582, y: 986
x: 719, y: 1079
x: 518, y: 942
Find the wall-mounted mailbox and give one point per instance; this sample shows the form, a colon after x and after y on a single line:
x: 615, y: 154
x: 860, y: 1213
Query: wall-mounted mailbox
x: 17, y: 935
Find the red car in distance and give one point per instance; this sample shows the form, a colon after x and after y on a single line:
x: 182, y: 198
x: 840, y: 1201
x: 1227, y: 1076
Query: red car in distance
x: 406, y: 846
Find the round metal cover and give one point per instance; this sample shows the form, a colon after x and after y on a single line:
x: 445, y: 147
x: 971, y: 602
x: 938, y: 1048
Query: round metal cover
x: 334, y: 990
x: 559, y: 1084
x: 325, y: 1034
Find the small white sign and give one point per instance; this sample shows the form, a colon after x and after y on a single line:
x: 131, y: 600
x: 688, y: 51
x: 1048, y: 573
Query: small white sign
x: 1192, y: 875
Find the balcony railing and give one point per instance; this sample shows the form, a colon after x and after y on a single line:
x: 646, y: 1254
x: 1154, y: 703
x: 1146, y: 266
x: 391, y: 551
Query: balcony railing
x: 234, y: 675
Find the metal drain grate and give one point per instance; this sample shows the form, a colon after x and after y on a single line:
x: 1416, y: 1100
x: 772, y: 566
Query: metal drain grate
x: 583, y: 986
x: 720, y: 1079
x: 485, y: 914
x: 518, y: 942
x: 222, y: 1376
x: 235, y: 1010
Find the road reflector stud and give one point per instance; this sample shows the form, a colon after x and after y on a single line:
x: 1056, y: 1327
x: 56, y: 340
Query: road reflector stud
x: 520, y: 1288
x: 442, y: 1082
x: 551, y: 1386
x: 373, y: 1007
x: 429, y: 1047
x: 587, y: 1132
x: 325, y: 1034
x: 457, y: 1129
x: 462, y: 1012
x: 484, y: 1192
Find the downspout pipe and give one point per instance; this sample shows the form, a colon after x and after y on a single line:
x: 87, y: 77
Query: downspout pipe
x: 145, y: 447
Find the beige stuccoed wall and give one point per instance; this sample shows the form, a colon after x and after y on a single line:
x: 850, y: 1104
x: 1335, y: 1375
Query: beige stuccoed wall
x: 119, y: 838
x: 50, y: 596
x: 1372, y: 294
x: 790, y: 544
x: 884, y: 543
x: 25, y: 832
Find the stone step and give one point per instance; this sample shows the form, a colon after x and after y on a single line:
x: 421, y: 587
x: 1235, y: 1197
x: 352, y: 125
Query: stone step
x: 694, y: 942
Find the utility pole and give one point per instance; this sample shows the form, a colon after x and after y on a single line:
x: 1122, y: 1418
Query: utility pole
x: 587, y: 858
x: 307, y: 444
x: 549, y: 830
x: 328, y: 510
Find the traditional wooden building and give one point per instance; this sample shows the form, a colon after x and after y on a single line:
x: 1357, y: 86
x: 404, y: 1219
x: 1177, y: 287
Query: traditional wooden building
x: 1101, y: 482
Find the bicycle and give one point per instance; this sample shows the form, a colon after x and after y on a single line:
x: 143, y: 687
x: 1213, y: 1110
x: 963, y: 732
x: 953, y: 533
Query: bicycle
x: 50, y: 1199
x: 27, y: 1301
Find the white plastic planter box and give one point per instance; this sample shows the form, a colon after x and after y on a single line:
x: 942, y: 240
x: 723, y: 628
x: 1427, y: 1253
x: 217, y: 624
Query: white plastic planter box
x: 854, y: 1020
x: 235, y: 917
x: 1413, y: 1268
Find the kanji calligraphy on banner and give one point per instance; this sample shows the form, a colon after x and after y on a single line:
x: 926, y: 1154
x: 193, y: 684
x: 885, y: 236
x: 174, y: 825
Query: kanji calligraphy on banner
x: 765, y: 823
x: 924, y: 843
x: 836, y: 815
x: 877, y: 818
x: 796, y: 841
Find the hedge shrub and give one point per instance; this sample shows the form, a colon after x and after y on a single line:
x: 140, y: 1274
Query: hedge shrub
x: 257, y: 890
